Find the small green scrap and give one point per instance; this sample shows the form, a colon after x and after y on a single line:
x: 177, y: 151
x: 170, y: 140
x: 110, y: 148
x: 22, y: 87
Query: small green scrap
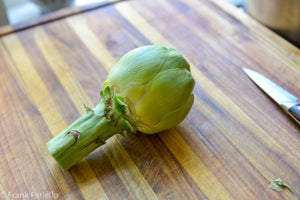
x: 87, y: 108
x: 279, y: 185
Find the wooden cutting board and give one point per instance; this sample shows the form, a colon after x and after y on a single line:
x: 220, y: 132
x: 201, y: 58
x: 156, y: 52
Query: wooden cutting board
x: 233, y: 143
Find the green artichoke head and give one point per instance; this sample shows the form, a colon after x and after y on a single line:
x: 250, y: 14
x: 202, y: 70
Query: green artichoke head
x: 156, y: 84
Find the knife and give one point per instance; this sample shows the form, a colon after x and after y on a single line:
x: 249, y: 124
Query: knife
x: 286, y: 100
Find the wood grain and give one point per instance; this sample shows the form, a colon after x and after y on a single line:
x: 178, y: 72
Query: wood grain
x: 233, y: 143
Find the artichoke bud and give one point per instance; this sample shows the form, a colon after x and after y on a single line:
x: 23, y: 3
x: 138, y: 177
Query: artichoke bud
x: 153, y: 86
x: 149, y: 90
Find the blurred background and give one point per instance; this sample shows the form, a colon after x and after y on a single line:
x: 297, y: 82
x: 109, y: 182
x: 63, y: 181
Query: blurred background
x: 282, y: 16
x: 17, y: 11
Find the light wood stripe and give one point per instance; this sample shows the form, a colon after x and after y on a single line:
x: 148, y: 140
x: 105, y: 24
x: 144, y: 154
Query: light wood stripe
x: 80, y: 27
x: 131, y: 177
x: 194, y: 166
x: 127, y: 170
x: 38, y: 92
x: 141, y: 24
x: 156, y: 38
x: 61, y: 69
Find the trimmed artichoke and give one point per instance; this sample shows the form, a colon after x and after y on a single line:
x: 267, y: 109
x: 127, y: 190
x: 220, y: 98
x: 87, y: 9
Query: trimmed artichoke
x: 148, y: 90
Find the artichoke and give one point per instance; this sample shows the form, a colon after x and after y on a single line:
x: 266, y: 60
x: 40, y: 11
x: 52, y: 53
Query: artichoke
x: 149, y: 90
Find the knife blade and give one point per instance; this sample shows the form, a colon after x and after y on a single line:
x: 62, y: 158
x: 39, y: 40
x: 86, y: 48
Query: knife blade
x: 286, y: 100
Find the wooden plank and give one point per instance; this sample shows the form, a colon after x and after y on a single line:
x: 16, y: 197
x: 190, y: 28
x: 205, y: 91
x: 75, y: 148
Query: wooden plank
x: 233, y: 143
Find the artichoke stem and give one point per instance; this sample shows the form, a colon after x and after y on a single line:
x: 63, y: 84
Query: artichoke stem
x: 87, y: 133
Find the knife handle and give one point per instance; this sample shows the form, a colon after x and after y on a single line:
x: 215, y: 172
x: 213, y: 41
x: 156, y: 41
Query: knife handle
x: 294, y: 111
